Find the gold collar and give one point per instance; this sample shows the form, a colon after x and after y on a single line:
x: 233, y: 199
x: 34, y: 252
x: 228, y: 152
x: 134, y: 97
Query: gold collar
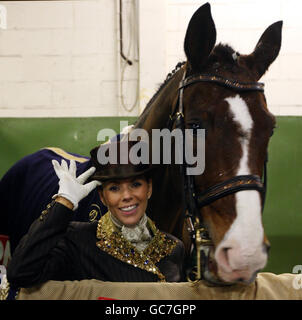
x: 112, y: 242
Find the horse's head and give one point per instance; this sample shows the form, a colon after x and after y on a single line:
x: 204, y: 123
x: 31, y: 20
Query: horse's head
x: 238, y: 127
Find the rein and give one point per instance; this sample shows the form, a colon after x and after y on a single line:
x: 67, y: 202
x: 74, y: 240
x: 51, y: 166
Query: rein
x: 193, y: 201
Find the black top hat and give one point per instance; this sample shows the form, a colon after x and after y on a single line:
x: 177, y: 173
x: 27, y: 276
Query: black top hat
x: 118, y: 165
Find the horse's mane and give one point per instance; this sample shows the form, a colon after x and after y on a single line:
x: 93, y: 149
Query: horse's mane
x: 223, y: 56
x: 168, y: 78
x: 222, y: 53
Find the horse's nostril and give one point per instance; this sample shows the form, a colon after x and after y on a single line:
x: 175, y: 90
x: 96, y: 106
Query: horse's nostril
x: 225, y: 252
x: 225, y: 257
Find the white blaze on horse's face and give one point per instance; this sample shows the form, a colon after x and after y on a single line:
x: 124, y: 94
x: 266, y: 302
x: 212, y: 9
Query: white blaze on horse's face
x: 241, y: 252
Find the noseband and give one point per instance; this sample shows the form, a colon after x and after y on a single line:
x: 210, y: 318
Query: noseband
x: 193, y: 201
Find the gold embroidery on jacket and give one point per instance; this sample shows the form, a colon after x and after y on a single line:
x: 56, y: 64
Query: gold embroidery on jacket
x: 113, y: 243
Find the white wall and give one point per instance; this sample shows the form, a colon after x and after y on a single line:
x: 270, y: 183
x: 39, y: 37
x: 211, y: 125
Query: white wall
x: 58, y: 58
x: 61, y: 58
x: 152, y: 47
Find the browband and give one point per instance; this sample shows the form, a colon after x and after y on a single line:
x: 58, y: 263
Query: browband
x: 238, y: 86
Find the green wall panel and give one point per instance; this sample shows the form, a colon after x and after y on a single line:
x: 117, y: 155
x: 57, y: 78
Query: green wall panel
x: 283, y: 210
x: 282, y: 215
x: 20, y: 137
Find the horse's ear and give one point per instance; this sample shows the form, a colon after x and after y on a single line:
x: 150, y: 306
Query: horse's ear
x: 200, y: 37
x: 266, y: 50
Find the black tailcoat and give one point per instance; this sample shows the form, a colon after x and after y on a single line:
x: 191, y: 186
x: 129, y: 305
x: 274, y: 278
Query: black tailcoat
x: 57, y: 248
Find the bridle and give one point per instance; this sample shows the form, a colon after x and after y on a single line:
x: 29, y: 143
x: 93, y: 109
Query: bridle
x: 193, y: 201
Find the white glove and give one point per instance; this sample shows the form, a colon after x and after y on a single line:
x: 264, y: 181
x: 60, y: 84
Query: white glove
x: 71, y: 187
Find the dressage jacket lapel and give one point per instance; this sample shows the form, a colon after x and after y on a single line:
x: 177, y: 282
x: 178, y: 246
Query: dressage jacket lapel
x: 112, y: 242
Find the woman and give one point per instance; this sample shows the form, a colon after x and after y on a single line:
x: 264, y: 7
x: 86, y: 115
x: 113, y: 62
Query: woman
x: 124, y: 245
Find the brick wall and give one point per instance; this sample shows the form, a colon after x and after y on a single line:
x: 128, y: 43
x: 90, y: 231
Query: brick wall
x: 61, y: 58
x: 58, y: 58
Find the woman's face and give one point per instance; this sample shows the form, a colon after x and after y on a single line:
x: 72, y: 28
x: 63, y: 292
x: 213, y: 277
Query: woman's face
x: 127, y: 198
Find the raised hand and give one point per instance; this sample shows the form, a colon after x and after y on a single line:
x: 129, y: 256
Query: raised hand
x: 72, y: 187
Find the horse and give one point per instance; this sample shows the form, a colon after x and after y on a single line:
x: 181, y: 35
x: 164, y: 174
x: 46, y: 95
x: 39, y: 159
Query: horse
x: 217, y: 90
